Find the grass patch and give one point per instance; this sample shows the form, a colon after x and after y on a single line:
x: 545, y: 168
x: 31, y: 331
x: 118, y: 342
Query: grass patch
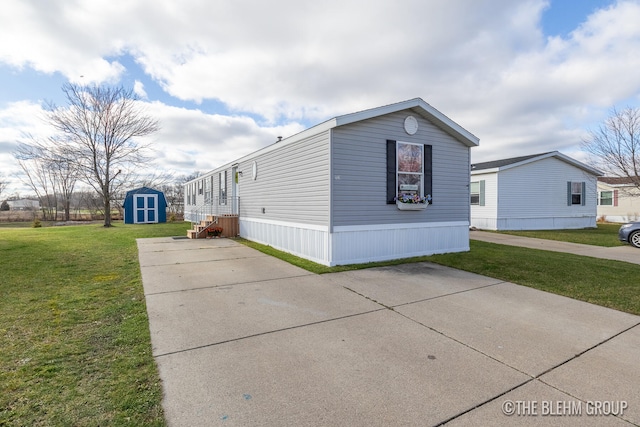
x: 319, y: 268
x: 604, y: 235
x: 74, y: 331
x: 612, y: 284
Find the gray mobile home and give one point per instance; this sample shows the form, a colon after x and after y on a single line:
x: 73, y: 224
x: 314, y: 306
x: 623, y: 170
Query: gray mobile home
x: 329, y: 193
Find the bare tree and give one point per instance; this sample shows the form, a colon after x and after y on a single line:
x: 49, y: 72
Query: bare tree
x: 174, y: 193
x: 38, y: 176
x: 615, y: 145
x: 65, y: 173
x: 48, y: 172
x: 3, y: 186
x: 97, y: 132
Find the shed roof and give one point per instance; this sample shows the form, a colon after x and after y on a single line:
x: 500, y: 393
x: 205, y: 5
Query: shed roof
x: 145, y: 190
x: 503, y: 164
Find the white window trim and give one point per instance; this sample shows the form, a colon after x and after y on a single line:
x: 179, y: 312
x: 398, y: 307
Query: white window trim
x: 421, y: 173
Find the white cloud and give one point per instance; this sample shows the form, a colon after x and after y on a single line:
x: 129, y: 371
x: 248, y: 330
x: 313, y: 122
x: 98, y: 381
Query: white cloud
x: 17, y: 121
x: 138, y: 89
x: 191, y: 140
x: 188, y: 140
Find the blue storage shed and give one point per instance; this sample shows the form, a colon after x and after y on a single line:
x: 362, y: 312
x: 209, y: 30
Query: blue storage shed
x: 145, y: 206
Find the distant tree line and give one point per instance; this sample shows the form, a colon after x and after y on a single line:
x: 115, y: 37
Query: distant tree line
x: 86, y: 204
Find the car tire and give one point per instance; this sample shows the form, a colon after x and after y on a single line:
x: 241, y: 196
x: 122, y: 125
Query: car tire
x: 634, y: 239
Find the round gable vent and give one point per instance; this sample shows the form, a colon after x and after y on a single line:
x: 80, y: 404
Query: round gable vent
x: 411, y: 125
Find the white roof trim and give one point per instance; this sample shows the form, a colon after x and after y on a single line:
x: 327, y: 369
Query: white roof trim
x: 555, y: 154
x: 417, y: 104
x: 428, y: 111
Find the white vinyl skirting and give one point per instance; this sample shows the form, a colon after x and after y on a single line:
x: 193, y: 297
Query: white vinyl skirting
x: 358, y: 244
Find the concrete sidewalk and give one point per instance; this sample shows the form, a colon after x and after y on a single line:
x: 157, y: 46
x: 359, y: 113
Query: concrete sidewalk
x: 242, y: 339
x: 625, y: 253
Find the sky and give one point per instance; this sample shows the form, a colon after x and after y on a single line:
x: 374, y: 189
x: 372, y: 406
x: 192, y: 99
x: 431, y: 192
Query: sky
x: 225, y: 78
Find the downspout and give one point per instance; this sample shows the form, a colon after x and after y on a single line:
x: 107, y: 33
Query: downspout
x: 469, y: 189
x: 331, y: 177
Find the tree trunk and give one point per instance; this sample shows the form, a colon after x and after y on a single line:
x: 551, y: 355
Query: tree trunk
x: 67, y: 210
x: 107, y: 210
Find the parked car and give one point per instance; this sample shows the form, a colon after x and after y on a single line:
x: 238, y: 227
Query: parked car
x: 630, y: 233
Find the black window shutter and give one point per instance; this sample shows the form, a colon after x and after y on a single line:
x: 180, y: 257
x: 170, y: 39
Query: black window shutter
x: 391, y: 171
x: 428, y: 171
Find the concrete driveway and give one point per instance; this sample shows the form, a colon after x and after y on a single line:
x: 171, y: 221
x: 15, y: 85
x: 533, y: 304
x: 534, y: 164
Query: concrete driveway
x: 244, y: 339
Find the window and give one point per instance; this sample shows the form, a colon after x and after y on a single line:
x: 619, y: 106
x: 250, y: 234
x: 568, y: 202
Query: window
x: 476, y: 192
x: 409, y: 169
x: 191, y: 194
x: 222, y: 176
x: 576, y: 193
x: 207, y: 190
x: 605, y: 198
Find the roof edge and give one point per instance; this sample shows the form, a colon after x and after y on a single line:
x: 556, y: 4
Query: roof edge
x: 556, y: 154
x: 458, y: 131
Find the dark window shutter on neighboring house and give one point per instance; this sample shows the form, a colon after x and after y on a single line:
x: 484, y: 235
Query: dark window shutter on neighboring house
x: 391, y: 171
x: 428, y: 171
x: 568, y: 193
x: 482, y: 185
x: 615, y: 197
x: 583, y: 196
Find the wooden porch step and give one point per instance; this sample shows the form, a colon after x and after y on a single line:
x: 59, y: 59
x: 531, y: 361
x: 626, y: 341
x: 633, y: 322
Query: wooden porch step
x: 228, y: 223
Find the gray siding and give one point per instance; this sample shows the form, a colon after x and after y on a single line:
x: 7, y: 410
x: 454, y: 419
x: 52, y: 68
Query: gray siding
x: 292, y: 183
x: 359, y: 173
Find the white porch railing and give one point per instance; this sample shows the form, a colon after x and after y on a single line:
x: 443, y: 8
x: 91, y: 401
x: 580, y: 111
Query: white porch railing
x: 215, y: 206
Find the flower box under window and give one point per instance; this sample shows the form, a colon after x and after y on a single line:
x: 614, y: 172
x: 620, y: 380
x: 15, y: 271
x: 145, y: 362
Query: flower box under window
x: 411, y: 206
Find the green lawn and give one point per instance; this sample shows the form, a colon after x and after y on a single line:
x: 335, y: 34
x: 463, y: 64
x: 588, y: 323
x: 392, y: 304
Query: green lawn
x: 74, y: 332
x: 605, y: 235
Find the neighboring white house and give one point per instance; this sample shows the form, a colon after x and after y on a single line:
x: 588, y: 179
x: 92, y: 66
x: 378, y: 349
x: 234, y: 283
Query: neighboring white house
x: 618, y: 199
x: 538, y: 192
x: 23, y: 205
x: 327, y: 193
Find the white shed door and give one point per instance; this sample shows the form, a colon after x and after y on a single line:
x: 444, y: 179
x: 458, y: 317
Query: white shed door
x: 145, y: 208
